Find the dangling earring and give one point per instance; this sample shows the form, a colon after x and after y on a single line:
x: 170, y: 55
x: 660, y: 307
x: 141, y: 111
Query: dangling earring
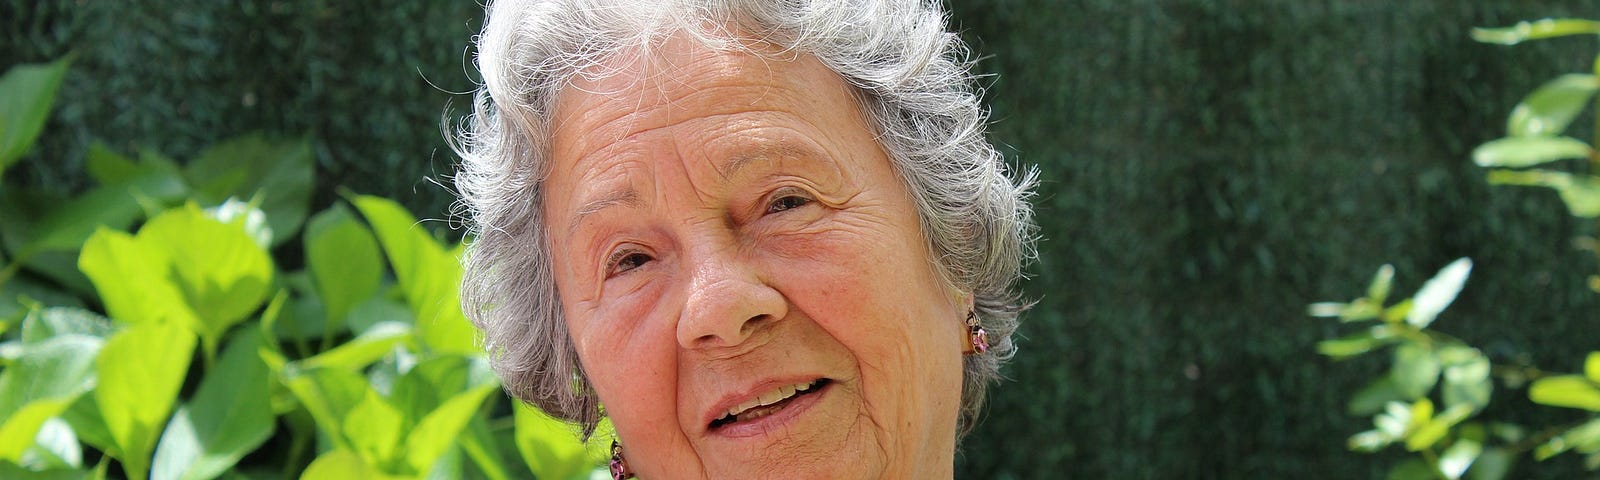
x: 619, y: 465
x: 978, y: 338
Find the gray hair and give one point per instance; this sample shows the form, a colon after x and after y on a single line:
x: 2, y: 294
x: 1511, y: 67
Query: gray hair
x: 913, y: 82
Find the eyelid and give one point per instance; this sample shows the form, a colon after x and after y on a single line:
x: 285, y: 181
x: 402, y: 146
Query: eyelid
x: 617, y: 255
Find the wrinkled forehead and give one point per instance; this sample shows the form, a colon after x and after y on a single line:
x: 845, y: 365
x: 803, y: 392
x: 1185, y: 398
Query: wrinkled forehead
x: 651, y: 86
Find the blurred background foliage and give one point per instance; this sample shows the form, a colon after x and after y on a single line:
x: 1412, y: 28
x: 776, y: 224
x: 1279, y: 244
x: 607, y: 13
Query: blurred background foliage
x: 1209, y: 167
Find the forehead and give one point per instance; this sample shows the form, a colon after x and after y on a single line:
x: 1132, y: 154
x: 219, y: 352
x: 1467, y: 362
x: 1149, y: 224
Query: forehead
x: 684, y: 80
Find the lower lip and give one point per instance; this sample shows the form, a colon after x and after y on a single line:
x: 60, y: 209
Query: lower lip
x: 775, y: 421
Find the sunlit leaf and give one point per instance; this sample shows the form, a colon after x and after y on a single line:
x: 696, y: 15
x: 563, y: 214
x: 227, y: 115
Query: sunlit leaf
x: 1455, y: 460
x: 1583, y: 438
x: 1349, y: 345
x: 1529, y: 151
x: 26, y: 93
x: 140, y: 370
x: 1550, y: 108
x: 429, y: 274
x: 343, y: 258
x: 1591, y: 367
x: 1378, y: 290
x: 438, y: 430
x: 1434, y: 429
x: 1371, y: 398
x: 56, y: 447
x: 223, y: 274
x: 46, y: 323
x: 362, y: 350
x: 1493, y: 464
x: 342, y: 464
x: 1468, y: 383
x: 47, y: 377
x: 1581, y: 194
x: 551, y: 447
x: 1535, y: 30
x: 229, y: 416
x: 373, y: 428
x: 328, y: 394
x: 1571, y: 391
x: 1438, y: 292
x: 244, y: 167
x: 132, y: 279
x: 1415, y: 370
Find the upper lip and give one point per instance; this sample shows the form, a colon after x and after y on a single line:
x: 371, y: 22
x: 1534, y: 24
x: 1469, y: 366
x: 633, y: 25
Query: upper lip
x: 730, y: 400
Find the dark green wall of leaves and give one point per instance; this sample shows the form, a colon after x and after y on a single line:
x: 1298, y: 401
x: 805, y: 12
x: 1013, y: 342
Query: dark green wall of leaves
x: 1209, y: 167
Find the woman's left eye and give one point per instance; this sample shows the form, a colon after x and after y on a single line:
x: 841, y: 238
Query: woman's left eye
x: 787, y: 202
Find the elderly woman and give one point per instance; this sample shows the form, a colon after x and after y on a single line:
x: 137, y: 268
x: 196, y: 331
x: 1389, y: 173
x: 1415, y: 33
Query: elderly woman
x: 767, y: 239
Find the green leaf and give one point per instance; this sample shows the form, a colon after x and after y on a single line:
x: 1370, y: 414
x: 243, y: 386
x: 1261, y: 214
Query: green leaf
x: 1430, y: 432
x: 429, y: 275
x: 1493, y: 464
x: 362, y: 350
x: 26, y: 92
x: 328, y: 394
x: 438, y: 430
x: 1349, y: 345
x: 1584, y: 438
x: 1570, y: 391
x: 1536, y: 30
x: 373, y: 428
x: 549, y: 446
x: 1415, y: 370
x: 342, y: 464
x: 223, y: 274
x: 343, y: 258
x: 46, y: 323
x: 1372, y: 398
x: 13, y: 472
x: 1456, y: 459
x: 140, y: 370
x: 1591, y: 367
x: 1378, y: 290
x: 480, y: 445
x: 1468, y: 383
x: 229, y: 416
x: 1529, y: 151
x: 56, y: 447
x: 47, y: 377
x: 131, y: 278
x: 1438, y: 292
x: 1369, y: 441
x: 1413, y: 469
x: 244, y: 167
x: 1581, y: 194
x: 1549, y: 109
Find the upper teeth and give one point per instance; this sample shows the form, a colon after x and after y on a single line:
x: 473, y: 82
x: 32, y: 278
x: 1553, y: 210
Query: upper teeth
x: 768, y: 398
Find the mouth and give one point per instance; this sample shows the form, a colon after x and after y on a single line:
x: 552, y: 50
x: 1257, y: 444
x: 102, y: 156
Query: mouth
x: 767, y: 403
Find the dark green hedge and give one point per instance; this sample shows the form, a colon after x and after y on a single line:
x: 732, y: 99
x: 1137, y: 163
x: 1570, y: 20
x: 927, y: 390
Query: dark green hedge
x: 1209, y: 168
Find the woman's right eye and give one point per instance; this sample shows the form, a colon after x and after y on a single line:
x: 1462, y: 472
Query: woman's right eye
x: 624, y: 261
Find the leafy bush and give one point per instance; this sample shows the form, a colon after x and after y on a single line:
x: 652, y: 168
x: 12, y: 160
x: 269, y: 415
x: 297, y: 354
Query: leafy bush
x: 151, y: 332
x: 1430, y: 368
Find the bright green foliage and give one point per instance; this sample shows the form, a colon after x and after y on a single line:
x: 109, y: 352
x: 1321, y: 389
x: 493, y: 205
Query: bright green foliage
x: 1536, y: 30
x: 429, y: 274
x: 229, y: 416
x: 45, y: 379
x: 26, y: 93
x: 344, y: 261
x: 140, y: 370
x: 279, y: 173
x: 552, y: 448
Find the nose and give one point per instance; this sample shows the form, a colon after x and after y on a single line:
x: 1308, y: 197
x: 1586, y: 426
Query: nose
x: 728, y: 301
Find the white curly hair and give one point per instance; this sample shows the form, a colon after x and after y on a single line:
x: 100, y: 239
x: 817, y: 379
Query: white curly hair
x: 912, y: 80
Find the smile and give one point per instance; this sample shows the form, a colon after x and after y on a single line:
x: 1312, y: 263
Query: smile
x: 768, y: 403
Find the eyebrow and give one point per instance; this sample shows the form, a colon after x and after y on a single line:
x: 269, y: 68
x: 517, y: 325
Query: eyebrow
x: 628, y: 197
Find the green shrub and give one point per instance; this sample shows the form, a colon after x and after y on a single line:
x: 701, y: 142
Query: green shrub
x: 150, y: 332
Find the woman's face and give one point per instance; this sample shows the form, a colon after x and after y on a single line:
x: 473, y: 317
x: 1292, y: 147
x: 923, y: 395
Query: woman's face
x: 743, y: 273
